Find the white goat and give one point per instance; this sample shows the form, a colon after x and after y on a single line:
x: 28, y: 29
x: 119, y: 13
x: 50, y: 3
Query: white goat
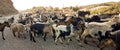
x: 93, y: 27
x: 65, y: 33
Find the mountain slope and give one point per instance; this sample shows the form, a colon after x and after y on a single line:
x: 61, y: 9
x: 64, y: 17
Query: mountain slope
x: 104, y: 8
x: 7, y: 8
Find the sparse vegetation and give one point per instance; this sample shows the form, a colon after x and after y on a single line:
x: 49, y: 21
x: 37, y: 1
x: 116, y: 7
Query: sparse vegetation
x: 112, y: 8
x: 103, y: 8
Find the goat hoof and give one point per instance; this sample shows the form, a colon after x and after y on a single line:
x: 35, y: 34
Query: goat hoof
x: 3, y: 38
x: 98, y: 46
x: 14, y: 35
x: 78, y: 40
x: 85, y: 42
x: 55, y: 43
x: 67, y: 43
x: 80, y: 44
x: 25, y: 37
x: 101, y: 49
x: 30, y: 39
x: 18, y: 36
x: 34, y: 41
x: 61, y: 43
x: 44, y: 39
x: 70, y: 39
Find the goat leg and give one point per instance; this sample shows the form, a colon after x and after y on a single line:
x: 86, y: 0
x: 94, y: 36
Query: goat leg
x: 30, y: 36
x: 44, y: 36
x: 18, y: 34
x: 14, y: 34
x: 56, y: 39
x: 60, y: 40
x: 68, y: 40
x: 3, y: 36
x: 33, y: 37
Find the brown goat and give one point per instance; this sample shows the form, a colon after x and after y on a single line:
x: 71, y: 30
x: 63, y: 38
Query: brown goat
x: 2, y: 27
x: 68, y: 22
x: 47, y: 30
x: 107, y: 42
x: 19, y: 28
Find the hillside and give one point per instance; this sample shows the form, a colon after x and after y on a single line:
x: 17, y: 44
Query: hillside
x: 102, y: 8
x: 7, y: 8
x: 105, y: 8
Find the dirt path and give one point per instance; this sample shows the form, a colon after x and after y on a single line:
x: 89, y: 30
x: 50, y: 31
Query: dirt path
x: 12, y: 43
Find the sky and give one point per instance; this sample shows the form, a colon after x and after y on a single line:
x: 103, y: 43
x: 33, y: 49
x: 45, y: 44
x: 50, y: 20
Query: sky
x: 27, y: 4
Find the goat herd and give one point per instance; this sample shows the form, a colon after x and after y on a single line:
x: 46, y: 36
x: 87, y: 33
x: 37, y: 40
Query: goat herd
x: 106, y: 32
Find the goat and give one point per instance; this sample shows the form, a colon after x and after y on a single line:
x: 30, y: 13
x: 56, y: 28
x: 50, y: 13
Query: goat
x: 42, y: 29
x: 112, y: 39
x: 2, y: 27
x: 18, y: 28
x: 65, y: 29
x: 94, y: 27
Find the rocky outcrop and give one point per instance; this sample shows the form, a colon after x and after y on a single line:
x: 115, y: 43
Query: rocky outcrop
x: 7, y: 8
